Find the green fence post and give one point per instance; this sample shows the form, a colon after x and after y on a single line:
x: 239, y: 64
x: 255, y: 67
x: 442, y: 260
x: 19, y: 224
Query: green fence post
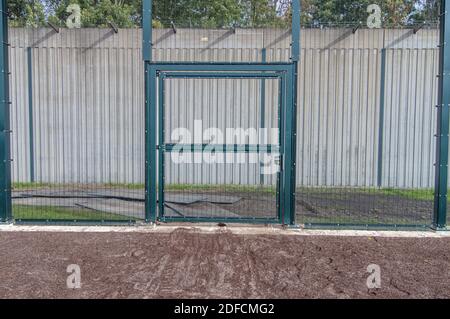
x: 5, y: 156
x: 442, y: 136
x: 293, y: 87
x: 147, y: 44
x: 150, y: 114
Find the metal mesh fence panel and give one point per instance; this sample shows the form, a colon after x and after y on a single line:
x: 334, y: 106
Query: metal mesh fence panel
x: 367, y: 122
x: 366, y: 115
x: 77, y: 119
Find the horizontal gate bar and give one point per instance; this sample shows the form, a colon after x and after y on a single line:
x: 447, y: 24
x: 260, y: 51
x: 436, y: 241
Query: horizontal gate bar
x: 245, y: 220
x: 219, y: 148
x: 221, y: 67
x: 224, y: 75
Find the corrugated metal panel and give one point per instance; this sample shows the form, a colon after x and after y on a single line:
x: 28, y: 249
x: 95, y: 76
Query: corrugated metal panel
x: 410, y: 118
x: 87, y: 109
x: 338, y: 120
x: 89, y: 106
x: 221, y: 104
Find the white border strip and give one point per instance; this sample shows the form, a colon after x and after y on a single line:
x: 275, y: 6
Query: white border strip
x: 238, y: 230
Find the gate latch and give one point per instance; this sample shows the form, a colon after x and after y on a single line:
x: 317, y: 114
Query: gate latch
x: 278, y: 161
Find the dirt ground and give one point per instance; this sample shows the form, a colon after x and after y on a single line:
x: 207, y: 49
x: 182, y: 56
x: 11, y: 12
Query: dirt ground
x: 189, y: 264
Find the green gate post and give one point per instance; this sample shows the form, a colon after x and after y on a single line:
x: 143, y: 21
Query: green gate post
x: 5, y: 156
x: 150, y: 143
x: 440, y: 197
x: 147, y: 44
x: 290, y: 161
x: 150, y: 114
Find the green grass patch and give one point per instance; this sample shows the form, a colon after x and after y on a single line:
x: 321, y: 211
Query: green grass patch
x: 26, y: 186
x: 221, y: 188
x: 60, y: 213
x: 23, y: 186
x: 126, y: 186
x: 417, y: 194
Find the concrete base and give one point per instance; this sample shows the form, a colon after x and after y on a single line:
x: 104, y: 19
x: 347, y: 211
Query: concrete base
x: 235, y: 229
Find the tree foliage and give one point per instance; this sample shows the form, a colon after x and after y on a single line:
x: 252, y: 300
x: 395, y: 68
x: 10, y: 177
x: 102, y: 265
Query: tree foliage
x: 223, y: 13
x: 26, y: 13
x: 94, y: 13
x: 220, y: 13
x: 393, y: 12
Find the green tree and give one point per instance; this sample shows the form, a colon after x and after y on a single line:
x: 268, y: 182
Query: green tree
x: 26, y: 13
x: 96, y: 13
x: 196, y: 13
x: 426, y: 10
x: 119, y: 12
x: 393, y: 12
x: 219, y: 13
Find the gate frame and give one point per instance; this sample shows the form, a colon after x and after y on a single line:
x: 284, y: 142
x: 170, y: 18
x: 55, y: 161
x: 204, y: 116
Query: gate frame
x: 269, y: 148
x: 152, y: 70
x: 155, y: 70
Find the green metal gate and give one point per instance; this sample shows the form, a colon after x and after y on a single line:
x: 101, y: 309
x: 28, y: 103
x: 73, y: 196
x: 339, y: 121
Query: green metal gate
x: 193, y: 199
x: 203, y: 199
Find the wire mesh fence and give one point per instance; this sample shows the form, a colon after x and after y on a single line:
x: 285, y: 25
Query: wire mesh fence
x: 366, y: 115
x: 367, y: 121
x: 78, y: 120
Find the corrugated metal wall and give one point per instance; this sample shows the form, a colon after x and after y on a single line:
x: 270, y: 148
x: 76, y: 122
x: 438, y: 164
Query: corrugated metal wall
x: 88, y: 102
x: 221, y: 104
x: 87, y: 106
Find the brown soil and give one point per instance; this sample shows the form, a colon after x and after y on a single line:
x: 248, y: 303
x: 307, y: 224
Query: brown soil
x: 187, y: 264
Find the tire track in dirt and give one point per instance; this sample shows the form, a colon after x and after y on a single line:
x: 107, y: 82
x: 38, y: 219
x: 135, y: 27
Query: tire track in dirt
x: 192, y: 265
